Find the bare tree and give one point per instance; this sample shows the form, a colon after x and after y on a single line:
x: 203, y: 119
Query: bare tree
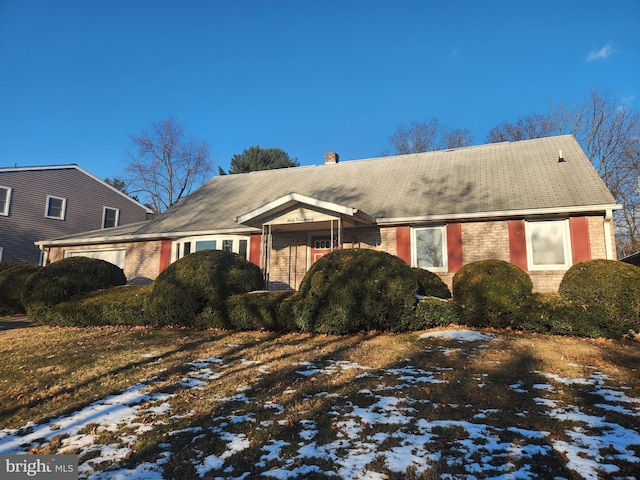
x: 167, y: 164
x: 526, y: 128
x: 609, y: 133
x: 427, y: 136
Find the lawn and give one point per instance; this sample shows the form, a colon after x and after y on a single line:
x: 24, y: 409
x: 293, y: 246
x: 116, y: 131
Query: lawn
x: 151, y: 404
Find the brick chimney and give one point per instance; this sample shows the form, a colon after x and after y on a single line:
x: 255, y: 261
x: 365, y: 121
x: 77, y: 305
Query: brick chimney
x: 331, y: 157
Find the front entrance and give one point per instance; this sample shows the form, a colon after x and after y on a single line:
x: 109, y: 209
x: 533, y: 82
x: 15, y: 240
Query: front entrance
x: 320, y: 246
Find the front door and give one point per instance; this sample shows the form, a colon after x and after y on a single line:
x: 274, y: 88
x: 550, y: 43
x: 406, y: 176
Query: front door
x: 320, y: 246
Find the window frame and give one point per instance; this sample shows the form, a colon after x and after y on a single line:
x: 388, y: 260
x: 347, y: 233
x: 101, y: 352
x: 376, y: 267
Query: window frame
x: 104, y: 216
x: 414, y: 248
x: 566, y: 245
x: 63, y: 208
x: 5, y: 211
x: 178, y: 246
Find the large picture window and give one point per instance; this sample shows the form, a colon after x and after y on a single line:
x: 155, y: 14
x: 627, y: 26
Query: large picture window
x: 429, y: 248
x: 548, y: 245
x: 5, y: 199
x: 55, y: 207
x: 230, y: 243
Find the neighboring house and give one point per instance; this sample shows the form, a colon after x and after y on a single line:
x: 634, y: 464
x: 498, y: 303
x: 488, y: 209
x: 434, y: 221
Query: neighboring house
x: 537, y: 203
x: 52, y: 201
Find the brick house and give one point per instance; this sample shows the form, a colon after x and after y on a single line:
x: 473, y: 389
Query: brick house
x: 51, y: 201
x: 537, y: 203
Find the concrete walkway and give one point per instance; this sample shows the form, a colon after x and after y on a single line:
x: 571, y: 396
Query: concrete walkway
x: 14, y: 321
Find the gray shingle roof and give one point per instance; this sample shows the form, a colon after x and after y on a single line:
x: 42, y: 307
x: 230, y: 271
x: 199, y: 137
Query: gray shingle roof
x: 472, y: 181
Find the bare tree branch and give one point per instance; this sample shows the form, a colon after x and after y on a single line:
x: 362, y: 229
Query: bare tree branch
x: 167, y: 163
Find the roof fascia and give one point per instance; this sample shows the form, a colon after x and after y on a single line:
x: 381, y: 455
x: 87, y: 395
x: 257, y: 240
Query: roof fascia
x: 498, y: 214
x: 296, y: 198
x: 142, y: 237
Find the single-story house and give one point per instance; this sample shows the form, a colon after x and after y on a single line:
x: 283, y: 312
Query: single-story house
x: 539, y: 204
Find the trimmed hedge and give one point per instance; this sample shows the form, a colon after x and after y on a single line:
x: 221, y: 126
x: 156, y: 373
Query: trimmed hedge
x: 122, y: 305
x: 65, y: 278
x: 12, y: 279
x: 430, y: 284
x: 259, y: 311
x: 491, y: 293
x: 432, y: 312
x: 606, y: 291
x: 192, y: 291
x: 347, y: 291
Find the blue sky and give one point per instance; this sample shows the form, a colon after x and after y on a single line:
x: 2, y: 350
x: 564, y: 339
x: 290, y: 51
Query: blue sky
x: 78, y: 76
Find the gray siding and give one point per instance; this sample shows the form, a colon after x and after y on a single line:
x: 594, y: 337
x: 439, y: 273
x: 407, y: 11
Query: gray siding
x: 85, y: 197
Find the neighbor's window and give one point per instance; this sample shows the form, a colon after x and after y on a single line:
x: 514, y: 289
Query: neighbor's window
x: 55, y: 207
x: 429, y: 248
x: 5, y: 199
x: 548, y: 245
x: 110, y: 217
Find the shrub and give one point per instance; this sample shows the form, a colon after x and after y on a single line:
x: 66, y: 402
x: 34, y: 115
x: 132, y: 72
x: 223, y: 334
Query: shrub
x: 353, y: 290
x: 7, y: 265
x: 12, y: 279
x: 258, y: 311
x: 430, y: 284
x: 65, y: 278
x: 607, y: 289
x: 193, y: 289
x: 432, y: 312
x: 490, y: 293
x: 122, y: 305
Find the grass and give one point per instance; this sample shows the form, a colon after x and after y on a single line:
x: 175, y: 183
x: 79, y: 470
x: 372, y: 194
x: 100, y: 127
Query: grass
x: 47, y: 372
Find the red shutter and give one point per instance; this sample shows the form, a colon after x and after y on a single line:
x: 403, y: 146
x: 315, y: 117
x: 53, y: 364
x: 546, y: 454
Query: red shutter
x: 454, y: 246
x: 254, y: 248
x: 403, y: 243
x: 518, y: 244
x: 165, y: 254
x: 580, y: 241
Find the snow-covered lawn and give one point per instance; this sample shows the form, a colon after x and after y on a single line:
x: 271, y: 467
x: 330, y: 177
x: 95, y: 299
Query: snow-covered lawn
x: 381, y: 428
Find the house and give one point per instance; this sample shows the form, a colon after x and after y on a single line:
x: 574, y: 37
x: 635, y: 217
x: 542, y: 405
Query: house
x: 54, y: 201
x: 536, y: 203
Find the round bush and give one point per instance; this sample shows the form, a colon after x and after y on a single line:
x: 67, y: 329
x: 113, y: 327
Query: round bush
x: 12, y: 280
x: 490, y: 293
x: 608, y: 289
x: 65, y: 278
x: 353, y: 290
x: 430, y: 284
x: 198, y: 285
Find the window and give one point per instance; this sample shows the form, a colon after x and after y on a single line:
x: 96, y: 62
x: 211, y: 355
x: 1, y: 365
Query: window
x: 5, y: 199
x: 206, y: 245
x: 110, y: 217
x: 548, y: 245
x: 1, y: 250
x: 55, y: 207
x: 429, y: 248
x: 230, y: 243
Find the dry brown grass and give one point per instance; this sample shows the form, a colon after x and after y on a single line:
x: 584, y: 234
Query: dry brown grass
x: 46, y: 372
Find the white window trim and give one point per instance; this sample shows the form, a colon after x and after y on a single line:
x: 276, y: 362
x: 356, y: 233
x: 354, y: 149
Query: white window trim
x: 63, y: 210
x: 566, y: 245
x: 445, y: 253
x: 5, y: 212
x: 177, y: 246
x: 104, y: 216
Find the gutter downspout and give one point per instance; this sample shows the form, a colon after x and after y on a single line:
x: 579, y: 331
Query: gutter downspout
x: 608, y: 245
